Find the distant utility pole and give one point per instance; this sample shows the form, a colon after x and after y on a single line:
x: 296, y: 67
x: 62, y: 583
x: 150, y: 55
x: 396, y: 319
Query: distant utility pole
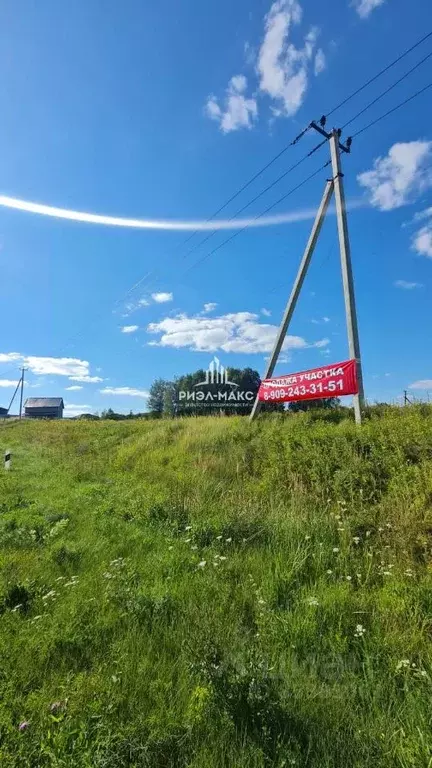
x: 335, y: 184
x: 22, y: 391
x: 407, y: 401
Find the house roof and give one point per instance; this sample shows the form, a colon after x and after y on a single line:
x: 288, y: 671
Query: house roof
x: 44, y: 402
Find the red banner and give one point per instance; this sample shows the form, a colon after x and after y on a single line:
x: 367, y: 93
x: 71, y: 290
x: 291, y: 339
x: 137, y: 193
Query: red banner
x: 327, y: 381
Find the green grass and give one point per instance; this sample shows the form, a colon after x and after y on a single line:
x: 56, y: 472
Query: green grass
x: 304, y: 639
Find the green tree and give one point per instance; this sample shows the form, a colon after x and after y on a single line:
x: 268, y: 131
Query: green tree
x: 156, y: 397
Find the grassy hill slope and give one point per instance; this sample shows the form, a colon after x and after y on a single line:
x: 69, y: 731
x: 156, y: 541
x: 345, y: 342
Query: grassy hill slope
x: 206, y: 594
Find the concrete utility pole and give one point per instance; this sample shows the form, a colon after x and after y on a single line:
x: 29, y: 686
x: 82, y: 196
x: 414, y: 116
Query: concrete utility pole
x: 333, y: 185
x: 301, y: 274
x: 347, y: 275
x: 22, y: 391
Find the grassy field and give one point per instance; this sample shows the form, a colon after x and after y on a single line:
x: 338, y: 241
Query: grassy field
x: 204, y: 593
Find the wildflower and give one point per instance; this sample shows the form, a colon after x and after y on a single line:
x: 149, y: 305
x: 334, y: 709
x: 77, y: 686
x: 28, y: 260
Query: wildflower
x: 188, y: 541
x: 194, y: 546
x: 356, y: 539
x: 423, y: 673
x: 348, y: 578
x: 312, y: 601
x: 307, y: 538
x: 170, y: 548
x: 386, y: 573
x: 359, y: 630
x: 24, y: 725
x: 188, y: 528
x: 341, y: 529
x: 57, y: 706
x: 402, y: 664
x: 358, y: 575
x: 107, y: 575
x: 218, y: 538
x: 380, y: 530
x: 408, y: 572
x: 388, y: 525
x: 202, y: 564
x: 335, y: 549
x: 261, y: 602
x: 329, y: 572
x: 222, y: 557
x: 228, y: 541
x: 368, y: 533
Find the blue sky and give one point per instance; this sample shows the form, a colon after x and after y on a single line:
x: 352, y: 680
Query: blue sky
x: 161, y: 112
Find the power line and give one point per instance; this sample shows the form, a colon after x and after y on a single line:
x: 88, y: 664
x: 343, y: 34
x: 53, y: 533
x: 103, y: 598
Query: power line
x: 381, y: 72
x: 390, y: 111
x: 390, y: 88
x: 260, y: 194
x: 258, y: 216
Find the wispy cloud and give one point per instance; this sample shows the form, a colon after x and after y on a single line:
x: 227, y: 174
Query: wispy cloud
x: 209, y: 307
x: 6, y: 383
x: 237, y: 111
x: 319, y: 62
x: 365, y: 7
x: 236, y: 332
x: 87, y: 379
x: 283, y: 69
x: 74, y: 388
x: 124, y: 391
x: 129, y: 328
x: 397, y: 178
x: 407, y: 286
x: 72, y: 410
x: 422, y: 239
x: 424, y: 384
x: 290, y: 217
x: 265, y: 312
x: 162, y: 297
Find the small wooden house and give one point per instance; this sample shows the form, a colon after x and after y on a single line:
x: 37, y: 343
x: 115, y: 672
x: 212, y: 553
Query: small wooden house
x: 44, y: 408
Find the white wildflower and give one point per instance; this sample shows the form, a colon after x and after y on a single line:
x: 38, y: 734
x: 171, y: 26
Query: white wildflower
x: 348, y: 578
x: 218, y: 538
x: 228, y: 541
x: 202, y: 564
x: 170, y: 548
x: 194, y: 546
x: 402, y: 664
x: 188, y: 528
x: 335, y: 549
x: 359, y: 630
x: 329, y: 572
x: 188, y: 541
x: 356, y: 539
x: 312, y: 601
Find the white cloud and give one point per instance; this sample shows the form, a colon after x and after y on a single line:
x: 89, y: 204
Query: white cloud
x: 125, y: 391
x: 10, y: 357
x: 398, y: 177
x: 422, y: 239
x: 326, y: 319
x: 59, y: 366
x: 406, y: 285
x: 86, y: 379
x: 319, y: 61
x: 365, y: 7
x: 238, y: 332
x: 74, y: 388
x: 265, y: 312
x: 8, y: 383
x: 162, y: 297
x: 421, y: 384
x: 238, y: 111
x: 283, y: 68
x: 71, y: 410
x: 129, y: 328
x: 209, y: 307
